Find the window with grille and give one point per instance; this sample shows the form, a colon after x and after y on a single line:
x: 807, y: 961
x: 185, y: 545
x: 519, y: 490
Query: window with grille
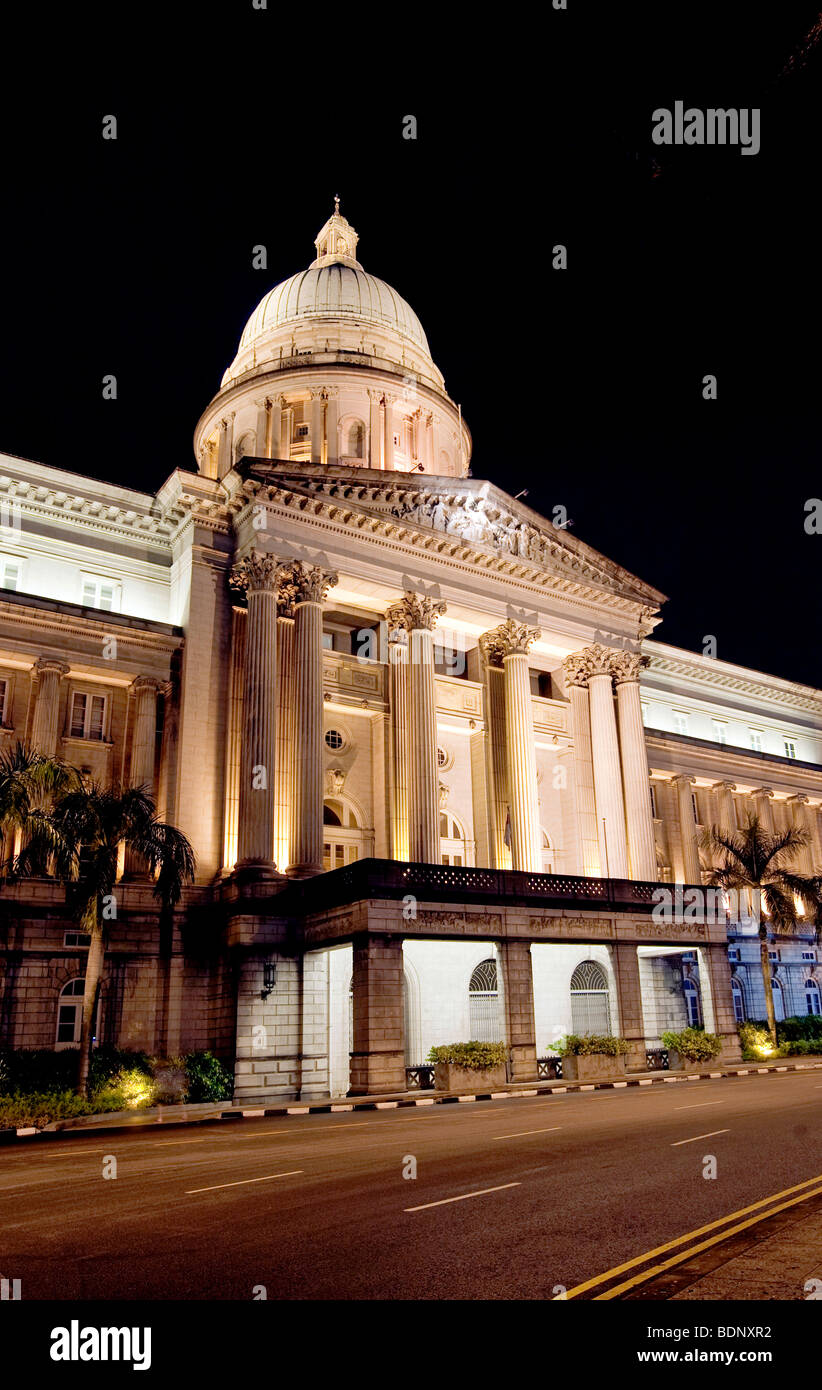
x: 483, y: 1003
x: 813, y: 1000
x: 88, y: 716
x: 790, y: 748
x: 334, y: 739
x: 99, y: 593
x: 11, y: 572
x: 738, y: 1001
x: 756, y: 740
x: 590, y: 999
x: 680, y: 722
x: 692, y: 1003
x: 70, y: 1012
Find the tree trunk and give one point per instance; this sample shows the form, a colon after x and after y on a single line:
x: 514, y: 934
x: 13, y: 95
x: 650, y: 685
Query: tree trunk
x: 766, y: 980
x: 94, y: 972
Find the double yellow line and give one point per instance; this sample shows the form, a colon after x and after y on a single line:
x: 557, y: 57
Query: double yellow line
x: 763, y: 1208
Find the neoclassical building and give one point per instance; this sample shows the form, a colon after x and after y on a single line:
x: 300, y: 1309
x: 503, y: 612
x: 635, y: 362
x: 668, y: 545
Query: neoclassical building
x: 434, y: 766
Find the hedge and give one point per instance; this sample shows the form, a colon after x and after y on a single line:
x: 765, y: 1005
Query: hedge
x: 481, y: 1056
x: 694, y: 1044
x: 590, y: 1044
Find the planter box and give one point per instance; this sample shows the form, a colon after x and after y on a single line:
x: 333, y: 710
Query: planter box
x: 447, y: 1077
x: 597, y: 1066
x: 675, y: 1060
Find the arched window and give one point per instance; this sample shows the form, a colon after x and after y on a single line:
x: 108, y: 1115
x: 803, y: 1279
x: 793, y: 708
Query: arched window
x: 453, y: 847
x: 692, y: 1002
x: 70, y: 1014
x: 547, y: 855
x: 590, y: 999
x: 738, y: 996
x: 778, y: 1000
x: 483, y: 1003
x: 813, y: 999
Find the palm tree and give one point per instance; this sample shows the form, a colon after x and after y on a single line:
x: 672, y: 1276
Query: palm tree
x: 754, y: 859
x: 28, y: 780
x: 83, y: 833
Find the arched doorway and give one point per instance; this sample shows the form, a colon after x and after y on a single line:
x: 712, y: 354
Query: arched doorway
x: 343, y: 837
x: 454, y: 847
x: 590, y: 999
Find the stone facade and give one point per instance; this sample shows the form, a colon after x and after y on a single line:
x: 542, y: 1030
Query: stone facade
x: 331, y: 644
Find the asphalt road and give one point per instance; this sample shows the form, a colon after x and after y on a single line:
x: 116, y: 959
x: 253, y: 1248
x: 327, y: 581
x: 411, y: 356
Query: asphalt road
x: 554, y: 1190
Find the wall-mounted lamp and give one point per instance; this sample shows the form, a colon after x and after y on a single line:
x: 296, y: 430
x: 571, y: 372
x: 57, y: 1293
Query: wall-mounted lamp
x: 269, y: 979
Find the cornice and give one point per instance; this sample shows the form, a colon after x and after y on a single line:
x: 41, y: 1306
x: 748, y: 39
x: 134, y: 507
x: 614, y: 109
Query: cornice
x: 716, y: 675
x: 736, y: 764
x: 35, y: 619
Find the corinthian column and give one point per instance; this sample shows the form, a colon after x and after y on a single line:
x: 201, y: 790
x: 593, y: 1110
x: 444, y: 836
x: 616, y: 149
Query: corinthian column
x: 311, y: 584
x: 285, y: 721
x: 691, y: 870
x: 257, y: 575
x: 508, y: 646
x: 417, y: 615
x: 596, y: 663
x: 398, y: 705
x: 635, y: 777
x: 48, y: 673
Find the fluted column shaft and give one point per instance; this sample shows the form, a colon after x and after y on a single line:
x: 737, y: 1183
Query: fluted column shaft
x: 234, y: 736
x: 636, y: 782
x: 607, y: 779
x: 589, y: 861
x: 762, y: 807
x: 374, y: 430
x: 691, y: 870
x: 44, y: 727
x: 316, y: 427
x: 424, y: 833
x: 398, y: 696
x: 331, y: 431
x: 275, y: 443
x: 309, y: 585
x: 307, y: 846
x: 388, y: 447
x: 522, y: 765
x: 144, y: 733
x: 724, y: 803
x: 285, y: 739
x: 258, y: 574
x: 800, y: 820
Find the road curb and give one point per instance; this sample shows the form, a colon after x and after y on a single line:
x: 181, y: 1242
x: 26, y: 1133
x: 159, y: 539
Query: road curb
x: 527, y: 1090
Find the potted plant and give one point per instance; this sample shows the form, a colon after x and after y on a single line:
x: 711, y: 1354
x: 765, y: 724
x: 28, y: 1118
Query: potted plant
x: 691, y: 1045
x: 592, y: 1056
x: 468, y: 1066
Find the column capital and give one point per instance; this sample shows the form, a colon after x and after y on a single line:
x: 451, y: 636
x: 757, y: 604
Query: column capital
x: 374, y: 394
x: 509, y: 639
x: 723, y: 786
x: 761, y: 791
x: 415, y: 612
x: 256, y: 573
x: 799, y: 798
x: 146, y: 683
x: 683, y: 779
x: 596, y: 660
x: 306, y: 583
x: 49, y: 663
x: 627, y: 666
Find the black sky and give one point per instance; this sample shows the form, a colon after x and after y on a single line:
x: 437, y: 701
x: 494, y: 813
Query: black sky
x: 238, y: 126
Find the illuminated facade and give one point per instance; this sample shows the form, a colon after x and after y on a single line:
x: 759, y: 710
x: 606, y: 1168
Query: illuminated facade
x: 329, y: 643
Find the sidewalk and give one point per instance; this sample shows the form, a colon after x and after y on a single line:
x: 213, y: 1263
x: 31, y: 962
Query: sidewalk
x: 181, y: 1115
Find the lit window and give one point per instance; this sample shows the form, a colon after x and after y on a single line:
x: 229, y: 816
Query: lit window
x: 790, y: 748
x: 88, y: 715
x: 680, y: 722
x: 334, y: 739
x: 756, y: 740
x: 720, y: 731
x: 99, y: 593
x: 10, y: 574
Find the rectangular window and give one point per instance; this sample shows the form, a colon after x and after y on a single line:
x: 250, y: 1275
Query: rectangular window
x: 720, y: 731
x: 734, y: 954
x: 88, y: 715
x: 4, y: 700
x: 695, y: 805
x: 809, y: 955
x: 10, y: 574
x: 76, y: 938
x: 790, y: 748
x: 680, y: 722
x: 773, y: 955
x: 756, y: 740
x: 99, y: 593
x: 652, y: 791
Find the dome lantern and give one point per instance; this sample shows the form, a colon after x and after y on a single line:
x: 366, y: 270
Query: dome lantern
x: 336, y: 242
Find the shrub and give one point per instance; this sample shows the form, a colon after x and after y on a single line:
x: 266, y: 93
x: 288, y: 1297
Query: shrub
x: 755, y: 1041
x: 479, y: 1055
x: 589, y: 1044
x: 807, y: 1026
x: 693, y: 1044
x: 208, y: 1078
x: 36, y: 1070
x: 107, y: 1061
x: 803, y: 1047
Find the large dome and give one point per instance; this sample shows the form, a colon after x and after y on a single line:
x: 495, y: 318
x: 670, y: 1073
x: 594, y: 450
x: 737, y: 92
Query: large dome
x: 336, y: 291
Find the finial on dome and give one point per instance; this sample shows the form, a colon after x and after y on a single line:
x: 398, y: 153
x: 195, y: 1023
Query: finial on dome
x: 337, y: 242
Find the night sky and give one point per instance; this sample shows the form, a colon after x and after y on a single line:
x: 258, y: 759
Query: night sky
x: 237, y: 127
